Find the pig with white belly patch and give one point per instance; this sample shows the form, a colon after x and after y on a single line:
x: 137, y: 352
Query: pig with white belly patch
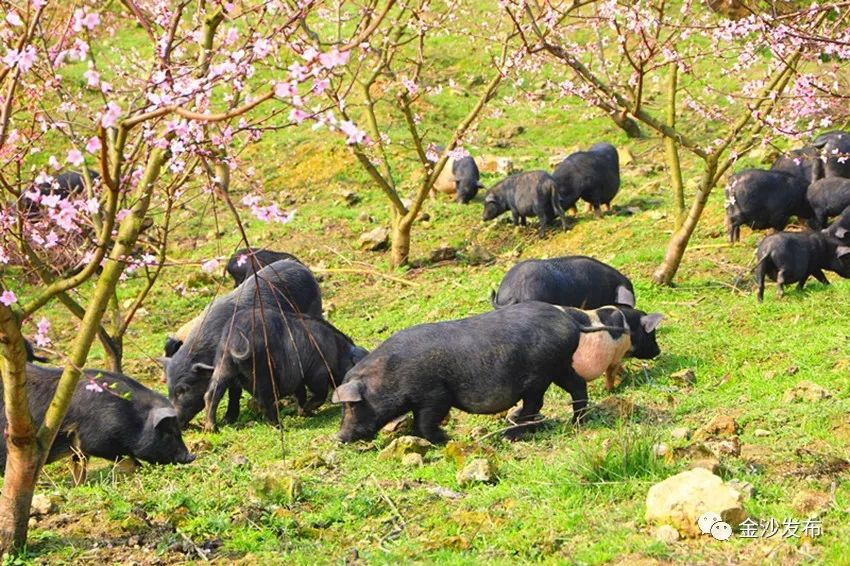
x: 603, y: 352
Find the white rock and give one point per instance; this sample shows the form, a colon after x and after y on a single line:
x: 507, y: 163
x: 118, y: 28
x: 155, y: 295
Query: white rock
x: 680, y: 500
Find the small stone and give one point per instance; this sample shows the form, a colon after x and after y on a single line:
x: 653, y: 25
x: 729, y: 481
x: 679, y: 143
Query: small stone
x: 42, y: 505
x: 811, y: 503
x: 403, y: 422
x: 476, y: 255
x: 278, y: 485
x: 443, y: 253
x: 744, y: 487
x: 240, y: 460
x: 680, y: 433
x: 375, y: 240
x: 412, y: 460
x: 660, y: 450
x: 478, y: 470
x: 665, y: 533
x: 710, y: 464
x: 686, y: 377
x: 443, y: 492
x: 682, y: 499
x: 806, y: 391
x: 720, y: 425
x: 349, y: 197
x: 761, y: 432
x: 726, y: 446
x: 403, y: 445
x: 365, y: 217
x: 125, y: 467
x: 494, y: 164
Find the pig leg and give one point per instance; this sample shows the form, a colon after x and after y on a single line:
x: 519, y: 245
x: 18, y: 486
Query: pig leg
x: 320, y: 394
x: 611, y: 376
x: 79, y: 469
x: 597, y: 211
x: 427, y: 419
x: 820, y: 276
x: 212, y: 398
x: 515, y: 218
x: 542, y: 219
x: 780, y: 284
x: 523, y: 220
x: 608, y: 207
x: 577, y: 388
x: 234, y: 394
x: 574, y: 210
x: 532, y: 402
x: 301, y: 398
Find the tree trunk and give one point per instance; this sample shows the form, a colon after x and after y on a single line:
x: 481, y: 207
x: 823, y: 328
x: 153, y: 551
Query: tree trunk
x: 679, y: 241
x: 114, y: 351
x: 22, y: 453
x: 673, y: 150
x: 22, y: 466
x: 401, y: 240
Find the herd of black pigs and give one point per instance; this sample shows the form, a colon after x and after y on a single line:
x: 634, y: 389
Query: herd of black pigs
x: 567, y: 320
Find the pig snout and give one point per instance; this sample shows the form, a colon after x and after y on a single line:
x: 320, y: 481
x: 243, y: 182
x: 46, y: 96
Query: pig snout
x: 186, y: 458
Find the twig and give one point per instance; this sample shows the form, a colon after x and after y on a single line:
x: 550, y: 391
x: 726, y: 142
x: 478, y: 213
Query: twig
x: 366, y: 272
x: 199, y: 551
x: 389, y: 501
x: 537, y: 419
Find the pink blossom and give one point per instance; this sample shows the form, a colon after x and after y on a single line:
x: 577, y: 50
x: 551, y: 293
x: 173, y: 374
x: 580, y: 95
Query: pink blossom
x: 8, y: 298
x: 355, y: 134
x: 23, y: 59
x: 75, y: 157
x: 14, y: 19
x: 122, y: 214
x: 431, y: 154
x: 92, y: 77
x: 262, y: 47
x: 320, y: 85
x: 54, y: 163
x: 297, y: 115
x: 411, y: 86
x: 285, y: 89
x: 93, y: 145
x: 210, y: 265
x: 92, y: 205
x: 110, y: 117
x: 240, y: 261
x: 334, y: 58
x: 458, y: 153
x: 93, y: 386
x: 85, y: 19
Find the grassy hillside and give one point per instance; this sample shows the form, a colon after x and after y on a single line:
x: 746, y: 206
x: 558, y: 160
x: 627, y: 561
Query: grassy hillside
x: 564, y: 494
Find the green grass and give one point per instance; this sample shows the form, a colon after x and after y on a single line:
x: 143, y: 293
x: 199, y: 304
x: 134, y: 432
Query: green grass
x: 564, y: 494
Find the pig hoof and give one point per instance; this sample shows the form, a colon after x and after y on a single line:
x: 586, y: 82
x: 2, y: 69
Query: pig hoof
x: 209, y: 427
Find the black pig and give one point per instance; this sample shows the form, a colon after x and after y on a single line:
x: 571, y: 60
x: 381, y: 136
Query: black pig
x: 482, y: 364
x: 835, y: 147
x: 525, y: 194
x: 804, y: 163
x: 764, y: 199
x: 274, y: 355
x: 840, y: 227
x: 592, y: 175
x: 110, y: 416
x: 572, y: 281
x: 459, y: 177
x: 282, y: 286
x: 828, y: 197
x: 240, y: 267
x: 793, y: 257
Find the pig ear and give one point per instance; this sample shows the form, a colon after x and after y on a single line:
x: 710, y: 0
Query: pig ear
x: 840, y: 232
x: 357, y: 353
x: 625, y: 297
x: 842, y: 251
x: 348, y: 392
x: 159, y: 415
x: 650, y: 322
x: 199, y: 367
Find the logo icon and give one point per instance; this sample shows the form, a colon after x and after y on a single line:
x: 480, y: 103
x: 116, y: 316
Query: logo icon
x: 711, y: 524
